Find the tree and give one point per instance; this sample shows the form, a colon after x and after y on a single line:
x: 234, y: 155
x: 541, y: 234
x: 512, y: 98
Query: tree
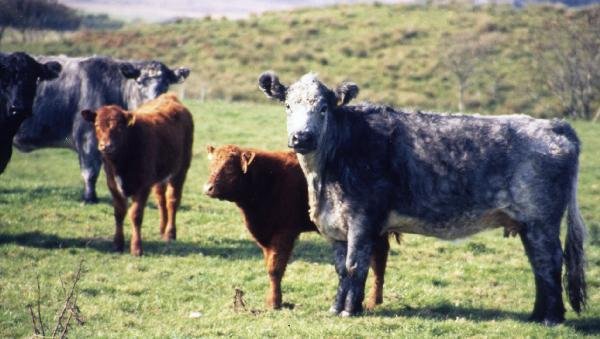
x: 462, y: 54
x: 567, y: 56
x: 25, y: 15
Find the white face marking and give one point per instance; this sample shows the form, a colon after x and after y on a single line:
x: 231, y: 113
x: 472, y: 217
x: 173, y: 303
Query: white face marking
x: 304, y: 101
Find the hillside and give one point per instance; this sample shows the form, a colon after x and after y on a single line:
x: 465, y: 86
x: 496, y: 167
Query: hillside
x: 392, y: 51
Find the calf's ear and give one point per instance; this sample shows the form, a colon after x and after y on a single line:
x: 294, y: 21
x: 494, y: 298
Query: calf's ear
x: 210, y: 150
x: 345, y: 92
x: 179, y: 75
x: 268, y: 82
x: 129, y: 71
x: 247, y: 157
x: 88, y: 115
x: 50, y: 70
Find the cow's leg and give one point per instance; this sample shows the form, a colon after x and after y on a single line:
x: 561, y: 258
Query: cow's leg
x: 352, y: 265
x: 340, y: 250
x: 136, y: 213
x: 278, y: 255
x: 90, y: 161
x: 161, y: 201
x: 360, y: 247
x: 378, y: 264
x: 120, y: 209
x: 542, y: 245
x: 174, y: 192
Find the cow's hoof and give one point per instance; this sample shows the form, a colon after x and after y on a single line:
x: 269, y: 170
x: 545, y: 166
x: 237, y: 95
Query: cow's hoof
x: 90, y: 200
x: 168, y: 237
x: 548, y: 320
x: 137, y: 252
x: 118, y: 247
x: 346, y: 314
x: 334, y: 310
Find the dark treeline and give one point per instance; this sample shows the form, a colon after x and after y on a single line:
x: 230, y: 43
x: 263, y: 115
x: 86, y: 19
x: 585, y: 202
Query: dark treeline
x: 30, y: 15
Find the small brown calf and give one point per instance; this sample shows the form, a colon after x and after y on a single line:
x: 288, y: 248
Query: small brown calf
x: 271, y: 191
x: 150, y: 147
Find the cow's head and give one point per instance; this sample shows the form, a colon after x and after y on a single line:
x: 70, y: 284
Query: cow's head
x: 111, y: 124
x: 153, y: 78
x: 309, y: 104
x: 228, y: 172
x: 19, y: 75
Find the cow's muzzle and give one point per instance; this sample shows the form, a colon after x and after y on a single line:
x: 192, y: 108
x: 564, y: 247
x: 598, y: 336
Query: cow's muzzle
x: 303, y: 142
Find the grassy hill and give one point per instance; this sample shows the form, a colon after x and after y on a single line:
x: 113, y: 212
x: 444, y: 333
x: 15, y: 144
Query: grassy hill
x: 481, y: 286
x: 392, y: 51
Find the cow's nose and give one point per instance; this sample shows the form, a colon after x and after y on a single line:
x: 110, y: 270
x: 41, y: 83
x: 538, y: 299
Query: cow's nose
x: 208, y: 188
x: 14, y: 109
x: 302, y: 140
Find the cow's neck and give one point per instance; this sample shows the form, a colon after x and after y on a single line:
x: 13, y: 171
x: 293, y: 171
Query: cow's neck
x: 310, y: 167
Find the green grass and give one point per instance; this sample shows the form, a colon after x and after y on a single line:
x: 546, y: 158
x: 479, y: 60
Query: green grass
x: 393, y: 52
x: 481, y: 286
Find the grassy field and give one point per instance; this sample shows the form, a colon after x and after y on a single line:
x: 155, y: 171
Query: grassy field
x: 394, y: 52
x: 481, y: 286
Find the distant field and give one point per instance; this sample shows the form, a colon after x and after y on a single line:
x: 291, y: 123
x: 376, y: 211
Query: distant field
x: 394, y: 52
x: 481, y: 286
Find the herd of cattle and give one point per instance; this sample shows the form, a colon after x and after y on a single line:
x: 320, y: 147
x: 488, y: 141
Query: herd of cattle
x: 357, y: 173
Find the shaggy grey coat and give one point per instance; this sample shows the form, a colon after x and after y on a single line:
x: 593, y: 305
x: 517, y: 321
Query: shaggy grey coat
x: 373, y: 169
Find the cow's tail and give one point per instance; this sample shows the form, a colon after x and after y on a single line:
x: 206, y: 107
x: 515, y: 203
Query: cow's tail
x: 574, y: 255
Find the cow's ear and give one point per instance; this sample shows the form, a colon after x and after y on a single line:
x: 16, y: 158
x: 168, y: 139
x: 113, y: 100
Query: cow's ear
x: 268, y: 82
x: 179, y: 75
x: 210, y: 150
x: 50, y: 70
x: 130, y: 117
x: 345, y: 92
x: 247, y: 157
x: 129, y: 71
x: 88, y: 115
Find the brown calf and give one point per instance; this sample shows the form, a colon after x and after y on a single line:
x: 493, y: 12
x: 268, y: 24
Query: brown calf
x: 271, y: 191
x: 149, y: 147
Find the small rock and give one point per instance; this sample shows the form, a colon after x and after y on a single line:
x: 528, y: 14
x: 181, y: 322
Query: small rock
x: 194, y: 315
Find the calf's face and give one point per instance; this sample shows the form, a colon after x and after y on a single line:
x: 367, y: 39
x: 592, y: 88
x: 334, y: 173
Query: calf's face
x: 308, y: 104
x: 153, y: 78
x: 19, y: 75
x: 228, y: 170
x: 111, y: 124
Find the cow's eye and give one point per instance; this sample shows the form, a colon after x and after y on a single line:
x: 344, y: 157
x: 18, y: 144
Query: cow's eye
x: 323, y: 110
x: 287, y: 106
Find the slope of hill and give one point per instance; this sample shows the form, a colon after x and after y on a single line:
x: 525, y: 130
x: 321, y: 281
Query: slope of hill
x: 394, y: 53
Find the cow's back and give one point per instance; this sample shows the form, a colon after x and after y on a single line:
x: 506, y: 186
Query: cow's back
x: 168, y: 134
x: 84, y: 83
x: 452, y: 165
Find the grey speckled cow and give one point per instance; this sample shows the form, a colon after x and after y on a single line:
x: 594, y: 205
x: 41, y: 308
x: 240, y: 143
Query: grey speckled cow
x: 372, y: 169
x: 89, y: 83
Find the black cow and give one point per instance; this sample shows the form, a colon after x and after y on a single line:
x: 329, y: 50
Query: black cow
x: 19, y: 75
x: 89, y: 83
x: 372, y: 169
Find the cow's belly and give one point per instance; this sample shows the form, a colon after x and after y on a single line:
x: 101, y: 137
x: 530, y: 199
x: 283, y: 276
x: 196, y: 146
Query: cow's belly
x: 460, y: 227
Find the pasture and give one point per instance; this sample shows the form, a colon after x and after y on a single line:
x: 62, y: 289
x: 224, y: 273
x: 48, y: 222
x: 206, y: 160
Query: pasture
x: 480, y: 286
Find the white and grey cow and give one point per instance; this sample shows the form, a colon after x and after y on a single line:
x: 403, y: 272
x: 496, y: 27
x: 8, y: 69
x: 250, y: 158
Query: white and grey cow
x: 89, y: 83
x: 373, y: 169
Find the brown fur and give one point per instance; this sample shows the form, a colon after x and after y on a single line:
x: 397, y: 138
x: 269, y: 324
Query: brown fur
x: 149, y: 148
x: 271, y: 191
